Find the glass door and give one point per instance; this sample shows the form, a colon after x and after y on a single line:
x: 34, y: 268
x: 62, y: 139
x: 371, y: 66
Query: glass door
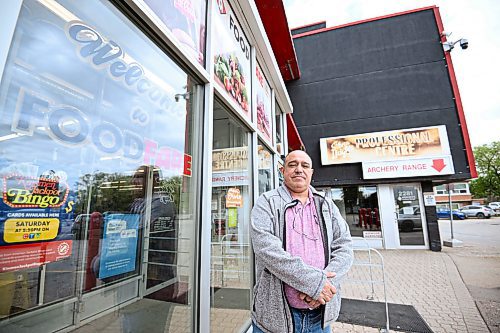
x: 230, y: 284
x: 408, y: 213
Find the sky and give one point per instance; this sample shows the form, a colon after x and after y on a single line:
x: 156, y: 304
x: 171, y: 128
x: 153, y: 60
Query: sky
x: 477, y: 68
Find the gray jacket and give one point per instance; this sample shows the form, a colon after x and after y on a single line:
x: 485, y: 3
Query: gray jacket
x: 274, y: 266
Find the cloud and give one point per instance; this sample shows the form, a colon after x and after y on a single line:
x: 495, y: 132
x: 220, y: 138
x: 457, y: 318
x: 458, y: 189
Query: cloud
x: 476, y: 68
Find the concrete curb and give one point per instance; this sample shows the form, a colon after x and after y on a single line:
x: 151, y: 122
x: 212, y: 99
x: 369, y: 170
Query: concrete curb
x: 470, y: 313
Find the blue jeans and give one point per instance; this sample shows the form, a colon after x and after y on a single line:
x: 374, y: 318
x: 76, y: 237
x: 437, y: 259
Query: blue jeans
x: 305, y: 321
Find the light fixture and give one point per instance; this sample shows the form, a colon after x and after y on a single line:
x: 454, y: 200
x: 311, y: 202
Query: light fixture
x: 185, y: 96
x: 179, y: 96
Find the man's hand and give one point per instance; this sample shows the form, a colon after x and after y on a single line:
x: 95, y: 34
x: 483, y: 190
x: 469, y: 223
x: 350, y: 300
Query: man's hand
x: 328, y: 291
x: 326, y: 295
x: 313, y: 304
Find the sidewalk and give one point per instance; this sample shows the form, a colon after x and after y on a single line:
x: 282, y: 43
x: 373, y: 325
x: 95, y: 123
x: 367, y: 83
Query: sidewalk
x: 427, y: 280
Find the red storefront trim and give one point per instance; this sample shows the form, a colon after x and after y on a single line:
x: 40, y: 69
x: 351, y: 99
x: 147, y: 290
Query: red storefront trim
x: 294, y: 140
x: 362, y: 21
x: 458, y: 100
x: 272, y: 13
x: 307, y: 25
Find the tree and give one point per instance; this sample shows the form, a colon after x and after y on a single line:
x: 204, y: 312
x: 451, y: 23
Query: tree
x: 487, y: 185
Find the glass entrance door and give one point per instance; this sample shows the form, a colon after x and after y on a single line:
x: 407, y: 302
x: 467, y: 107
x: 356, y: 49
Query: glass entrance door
x: 409, y: 215
x: 230, y: 281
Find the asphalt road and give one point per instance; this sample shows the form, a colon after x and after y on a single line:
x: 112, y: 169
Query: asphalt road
x: 478, y: 262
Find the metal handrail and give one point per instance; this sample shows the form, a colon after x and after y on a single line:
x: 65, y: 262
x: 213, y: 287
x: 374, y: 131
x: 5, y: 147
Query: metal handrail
x: 370, y: 264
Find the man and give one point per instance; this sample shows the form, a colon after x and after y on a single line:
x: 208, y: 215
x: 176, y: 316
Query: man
x: 302, y: 250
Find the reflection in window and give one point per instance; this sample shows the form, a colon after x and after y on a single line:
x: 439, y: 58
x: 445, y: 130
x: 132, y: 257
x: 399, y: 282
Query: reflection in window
x: 279, y: 173
x: 409, y: 215
x: 186, y: 21
x: 231, y: 204
x: 359, y: 207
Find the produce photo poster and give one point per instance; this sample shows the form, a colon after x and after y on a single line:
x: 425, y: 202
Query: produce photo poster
x: 232, y: 57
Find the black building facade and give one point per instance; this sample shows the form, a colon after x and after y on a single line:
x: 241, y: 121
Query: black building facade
x: 374, y: 80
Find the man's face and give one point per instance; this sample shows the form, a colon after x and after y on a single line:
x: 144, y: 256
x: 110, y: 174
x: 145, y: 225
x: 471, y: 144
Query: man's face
x: 298, y: 171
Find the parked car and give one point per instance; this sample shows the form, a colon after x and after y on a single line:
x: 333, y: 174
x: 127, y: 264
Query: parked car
x: 495, y: 206
x: 477, y: 211
x: 444, y: 213
x: 409, y: 218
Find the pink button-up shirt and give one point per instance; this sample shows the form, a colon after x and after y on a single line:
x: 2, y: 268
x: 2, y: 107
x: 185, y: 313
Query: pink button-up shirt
x: 303, y: 239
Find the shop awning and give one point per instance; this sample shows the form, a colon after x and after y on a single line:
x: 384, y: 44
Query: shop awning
x: 294, y: 140
x: 273, y: 16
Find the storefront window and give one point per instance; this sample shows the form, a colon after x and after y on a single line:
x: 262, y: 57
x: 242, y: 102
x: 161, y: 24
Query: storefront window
x: 98, y: 148
x: 186, y: 20
x: 231, y: 204
x: 359, y: 207
x: 266, y: 182
x: 279, y: 129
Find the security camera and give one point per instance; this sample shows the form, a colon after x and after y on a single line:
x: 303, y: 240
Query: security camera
x: 449, y: 45
x: 464, y: 43
x: 177, y: 97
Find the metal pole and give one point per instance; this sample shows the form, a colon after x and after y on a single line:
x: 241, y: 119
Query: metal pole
x: 452, y: 242
x: 451, y: 211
